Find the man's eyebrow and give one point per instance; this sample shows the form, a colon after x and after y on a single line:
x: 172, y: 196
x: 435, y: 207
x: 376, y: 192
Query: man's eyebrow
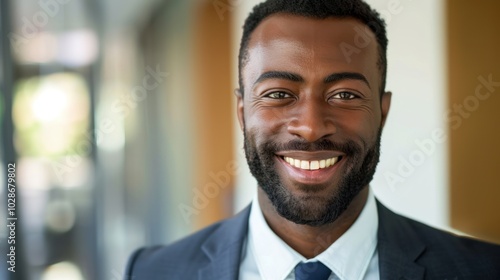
x: 335, y: 77
x: 282, y: 75
x: 332, y: 78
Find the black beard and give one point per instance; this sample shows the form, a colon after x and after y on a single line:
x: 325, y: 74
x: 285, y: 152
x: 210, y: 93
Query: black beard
x: 307, y: 211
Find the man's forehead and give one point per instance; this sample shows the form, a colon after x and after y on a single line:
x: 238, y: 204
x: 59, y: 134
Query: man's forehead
x: 284, y: 42
x: 330, y: 30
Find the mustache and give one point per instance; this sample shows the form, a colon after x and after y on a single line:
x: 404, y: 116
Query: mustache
x: 347, y: 147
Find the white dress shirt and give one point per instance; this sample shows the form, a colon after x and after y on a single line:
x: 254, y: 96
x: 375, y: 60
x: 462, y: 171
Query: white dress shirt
x: 351, y: 257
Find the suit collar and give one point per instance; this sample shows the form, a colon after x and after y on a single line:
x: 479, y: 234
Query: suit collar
x: 398, y: 247
x: 224, y: 246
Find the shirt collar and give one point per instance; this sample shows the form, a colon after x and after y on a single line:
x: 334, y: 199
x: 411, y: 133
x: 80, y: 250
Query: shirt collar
x: 348, y: 257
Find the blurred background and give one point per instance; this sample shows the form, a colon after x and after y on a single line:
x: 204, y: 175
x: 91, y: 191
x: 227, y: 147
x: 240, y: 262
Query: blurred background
x: 120, y: 117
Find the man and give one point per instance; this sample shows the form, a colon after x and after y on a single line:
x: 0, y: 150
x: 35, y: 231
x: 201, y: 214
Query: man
x: 312, y: 109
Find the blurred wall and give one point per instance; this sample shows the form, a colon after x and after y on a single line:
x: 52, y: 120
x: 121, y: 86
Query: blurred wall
x: 194, y: 142
x: 412, y: 175
x: 473, y: 116
x: 213, y: 110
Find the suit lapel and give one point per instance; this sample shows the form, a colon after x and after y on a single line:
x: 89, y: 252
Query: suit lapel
x: 398, y: 247
x: 223, y: 248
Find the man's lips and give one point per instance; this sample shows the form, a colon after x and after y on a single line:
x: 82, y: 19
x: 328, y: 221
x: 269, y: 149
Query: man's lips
x: 311, y: 164
x: 311, y: 160
x: 310, y: 167
x: 304, y: 155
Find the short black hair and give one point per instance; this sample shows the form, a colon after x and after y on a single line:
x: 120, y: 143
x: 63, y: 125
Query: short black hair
x: 317, y: 9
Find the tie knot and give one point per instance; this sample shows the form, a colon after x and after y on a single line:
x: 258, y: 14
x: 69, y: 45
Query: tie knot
x: 312, y: 271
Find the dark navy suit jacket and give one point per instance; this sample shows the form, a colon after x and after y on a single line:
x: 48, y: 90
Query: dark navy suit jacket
x: 407, y: 250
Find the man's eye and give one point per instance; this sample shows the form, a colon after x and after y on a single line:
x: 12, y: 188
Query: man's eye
x: 278, y: 95
x: 344, y: 95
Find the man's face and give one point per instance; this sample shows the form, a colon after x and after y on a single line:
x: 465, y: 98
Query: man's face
x: 312, y: 114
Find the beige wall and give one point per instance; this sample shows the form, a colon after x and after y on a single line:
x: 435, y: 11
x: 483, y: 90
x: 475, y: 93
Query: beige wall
x: 213, y: 113
x: 474, y: 51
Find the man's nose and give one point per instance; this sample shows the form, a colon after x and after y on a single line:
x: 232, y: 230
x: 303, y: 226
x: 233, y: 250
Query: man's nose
x: 312, y: 121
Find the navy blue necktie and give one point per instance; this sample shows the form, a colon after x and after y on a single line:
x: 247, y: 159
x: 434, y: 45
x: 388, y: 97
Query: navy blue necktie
x: 312, y: 271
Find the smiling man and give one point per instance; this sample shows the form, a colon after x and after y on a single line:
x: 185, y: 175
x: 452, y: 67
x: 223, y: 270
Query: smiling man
x: 312, y: 106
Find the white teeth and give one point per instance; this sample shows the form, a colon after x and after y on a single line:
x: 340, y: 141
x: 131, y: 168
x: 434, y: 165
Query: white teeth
x: 304, y: 164
x: 311, y: 165
x: 314, y: 165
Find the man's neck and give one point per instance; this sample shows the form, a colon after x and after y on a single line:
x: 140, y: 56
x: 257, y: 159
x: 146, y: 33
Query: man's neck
x: 307, y: 240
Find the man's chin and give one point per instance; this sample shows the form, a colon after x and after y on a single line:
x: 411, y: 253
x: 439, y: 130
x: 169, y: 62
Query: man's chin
x: 313, y: 205
x: 309, y: 207
x: 309, y: 212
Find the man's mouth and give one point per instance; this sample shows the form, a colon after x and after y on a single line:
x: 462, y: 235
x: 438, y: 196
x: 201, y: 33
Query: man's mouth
x: 312, y: 164
x: 310, y: 168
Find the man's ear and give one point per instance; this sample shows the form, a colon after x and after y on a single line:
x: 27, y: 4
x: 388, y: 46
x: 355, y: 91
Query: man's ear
x: 239, y: 107
x: 385, y: 105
